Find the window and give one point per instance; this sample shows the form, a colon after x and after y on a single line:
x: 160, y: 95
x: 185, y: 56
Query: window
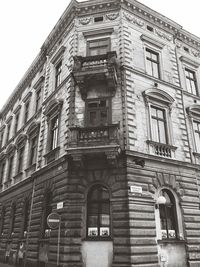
x: 54, y: 133
x: 12, y: 218
x: 152, y: 63
x: 2, y: 220
x: 58, y: 70
x: 16, y: 123
x: 196, y: 126
x: 168, y: 216
x: 98, y: 112
x: 33, y: 150
x: 8, y: 132
x: 1, y: 138
x: 52, y: 112
x: 26, y: 212
x: 191, y: 83
x: 98, y: 47
x: 98, y: 212
x: 158, y: 120
x: 159, y: 127
x: 38, y: 100
x: 20, y: 159
x: 10, y: 167
x: 2, y: 172
x: 26, y: 111
x: 47, y: 209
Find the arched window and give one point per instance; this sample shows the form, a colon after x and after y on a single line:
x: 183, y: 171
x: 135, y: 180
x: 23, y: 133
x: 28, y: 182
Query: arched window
x: 168, y: 216
x: 98, y: 212
x: 47, y: 209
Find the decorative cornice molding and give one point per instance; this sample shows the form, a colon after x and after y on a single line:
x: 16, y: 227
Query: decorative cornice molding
x: 153, y: 41
x: 38, y: 82
x: 27, y: 96
x: 58, y: 55
x: 93, y: 33
x: 189, y: 61
x: 17, y: 109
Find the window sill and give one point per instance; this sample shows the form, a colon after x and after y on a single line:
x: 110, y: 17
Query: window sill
x: 30, y: 169
x: 18, y: 177
x: 52, y: 155
x: 164, y: 241
x: 98, y: 239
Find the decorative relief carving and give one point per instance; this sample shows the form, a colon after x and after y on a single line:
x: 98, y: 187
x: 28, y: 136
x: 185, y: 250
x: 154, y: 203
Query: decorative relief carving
x: 112, y: 16
x: 178, y: 44
x: 195, y: 53
x: 133, y: 19
x: 163, y: 35
x: 84, y: 21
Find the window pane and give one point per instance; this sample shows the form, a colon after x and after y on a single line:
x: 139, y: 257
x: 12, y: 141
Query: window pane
x: 92, y: 231
x: 155, y: 70
x: 149, y: 68
x: 104, y: 219
x: 93, y: 220
x: 155, y: 136
x: 93, y: 118
x: 104, y: 231
x: 162, y: 132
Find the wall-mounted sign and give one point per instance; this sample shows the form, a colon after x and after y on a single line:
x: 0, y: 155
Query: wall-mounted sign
x: 59, y: 205
x: 135, y: 189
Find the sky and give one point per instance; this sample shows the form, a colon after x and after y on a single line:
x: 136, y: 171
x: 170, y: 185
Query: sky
x: 24, y: 26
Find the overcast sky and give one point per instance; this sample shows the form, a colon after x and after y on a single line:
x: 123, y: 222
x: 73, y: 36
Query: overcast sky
x: 25, y: 24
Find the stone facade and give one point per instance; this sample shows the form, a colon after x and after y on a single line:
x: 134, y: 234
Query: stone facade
x: 111, y: 103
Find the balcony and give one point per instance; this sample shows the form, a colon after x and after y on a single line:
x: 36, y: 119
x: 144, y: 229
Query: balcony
x: 91, y: 141
x: 93, y: 69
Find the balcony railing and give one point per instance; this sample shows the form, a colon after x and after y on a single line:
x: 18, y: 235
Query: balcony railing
x: 91, y: 69
x: 94, y: 136
x: 162, y: 150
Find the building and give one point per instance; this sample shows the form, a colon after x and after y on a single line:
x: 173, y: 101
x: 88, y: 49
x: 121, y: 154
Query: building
x: 104, y: 130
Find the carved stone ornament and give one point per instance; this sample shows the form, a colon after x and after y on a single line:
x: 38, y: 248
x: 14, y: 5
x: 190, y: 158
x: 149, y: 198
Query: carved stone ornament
x: 112, y: 16
x: 84, y: 21
x: 163, y: 35
x: 133, y: 19
x: 195, y: 53
x: 178, y: 44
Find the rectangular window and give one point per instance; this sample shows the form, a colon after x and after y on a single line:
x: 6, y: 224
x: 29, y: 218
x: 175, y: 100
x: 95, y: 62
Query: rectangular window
x: 152, y: 63
x: 191, y: 83
x: 33, y: 150
x: 3, y: 165
x: 8, y: 132
x: 38, y: 100
x: 196, y: 125
x: 20, y: 159
x: 58, y: 70
x: 54, y: 133
x: 16, y: 122
x: 26, y: 112
x: 158, y: 120
x: 10, y: 168
x: 98, y: 47
x: 1, y: 138
x: 98, y: 112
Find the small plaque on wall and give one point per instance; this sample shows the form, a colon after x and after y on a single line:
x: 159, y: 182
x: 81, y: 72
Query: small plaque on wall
x: 135, y: 189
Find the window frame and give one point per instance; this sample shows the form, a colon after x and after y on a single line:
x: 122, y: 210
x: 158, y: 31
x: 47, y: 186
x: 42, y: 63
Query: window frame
x: 26, y: 111
x: 99, y: 203
x: 189, y: 79
x: 164, y: 120
x: 98, y: 47
x: 153, y: 62
x: 2, y: 220
x: 108, y: 108
x: 177, y: 215
x: 46, y: 210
